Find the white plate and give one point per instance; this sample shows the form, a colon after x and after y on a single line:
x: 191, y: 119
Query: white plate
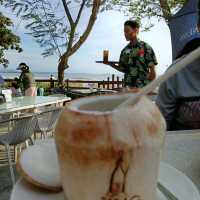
x: 177, y: 183
x: 25, y: 191
x: 174, y: 180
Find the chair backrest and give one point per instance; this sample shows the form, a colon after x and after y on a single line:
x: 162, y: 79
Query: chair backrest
x: 53, y: 119
x: 187, y: 115
x: 22, y: 130
x: 46, y: 120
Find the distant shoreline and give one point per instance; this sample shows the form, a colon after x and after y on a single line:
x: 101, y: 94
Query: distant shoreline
x: 71, y: 76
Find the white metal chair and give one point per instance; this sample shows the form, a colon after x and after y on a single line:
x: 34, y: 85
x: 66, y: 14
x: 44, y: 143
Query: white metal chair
x: 46, y: 121
x: 22, y: 130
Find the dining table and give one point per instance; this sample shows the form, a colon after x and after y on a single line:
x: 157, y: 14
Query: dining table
x: 18, y: 104
x: 181, y: 150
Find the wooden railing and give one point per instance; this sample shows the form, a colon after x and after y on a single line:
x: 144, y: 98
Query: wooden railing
x: 114, y: 83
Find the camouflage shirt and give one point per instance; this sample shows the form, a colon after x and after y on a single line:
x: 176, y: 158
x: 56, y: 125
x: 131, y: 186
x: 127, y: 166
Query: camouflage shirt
x: 135, y: 61
x: 26, y: 80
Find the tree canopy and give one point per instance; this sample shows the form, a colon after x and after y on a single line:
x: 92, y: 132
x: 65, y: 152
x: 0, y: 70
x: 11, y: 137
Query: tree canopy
x: 8, y: 39
x: 147, y: 9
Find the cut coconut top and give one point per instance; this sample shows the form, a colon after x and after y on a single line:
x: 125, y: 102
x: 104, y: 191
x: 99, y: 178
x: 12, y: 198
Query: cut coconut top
x: 38, y: 164
x: 99, y: 105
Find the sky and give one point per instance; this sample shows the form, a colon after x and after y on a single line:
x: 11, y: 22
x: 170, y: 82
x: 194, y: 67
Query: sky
x: 107, y: 34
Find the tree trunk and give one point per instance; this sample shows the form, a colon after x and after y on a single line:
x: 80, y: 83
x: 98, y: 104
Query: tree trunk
x: 63, y: 64
x: 166, y: 10
x: 61, y: 74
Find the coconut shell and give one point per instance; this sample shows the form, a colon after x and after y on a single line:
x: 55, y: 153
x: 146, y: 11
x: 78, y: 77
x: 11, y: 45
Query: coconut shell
x: 107, y: 154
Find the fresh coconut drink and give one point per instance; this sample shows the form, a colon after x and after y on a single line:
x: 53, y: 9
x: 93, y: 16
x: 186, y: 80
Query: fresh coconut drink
x: 110, y: 154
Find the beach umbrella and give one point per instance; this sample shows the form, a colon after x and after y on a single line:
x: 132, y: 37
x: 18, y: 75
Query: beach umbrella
x: 183, y: 26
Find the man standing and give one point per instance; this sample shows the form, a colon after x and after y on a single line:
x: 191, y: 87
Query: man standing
x: 26, y: 80
x: 137, y: 59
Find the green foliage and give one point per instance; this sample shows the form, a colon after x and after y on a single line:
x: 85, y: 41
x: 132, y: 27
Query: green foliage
x: 46, y: 22
x: 146, y: 9
x: 46, y: 19
x: 43, y: 21
x: 8, y: 39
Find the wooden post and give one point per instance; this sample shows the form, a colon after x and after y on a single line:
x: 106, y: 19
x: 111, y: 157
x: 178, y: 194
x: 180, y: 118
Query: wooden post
x: 103, y: 83
x: 108, y: 83
x: 113, y: 81
x: 51, y: 82
x: 122, y: 82
x: 118, y: 83
x: 67, y: 84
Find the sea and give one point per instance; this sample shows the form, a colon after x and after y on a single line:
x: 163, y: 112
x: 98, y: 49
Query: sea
x: 70, y: 76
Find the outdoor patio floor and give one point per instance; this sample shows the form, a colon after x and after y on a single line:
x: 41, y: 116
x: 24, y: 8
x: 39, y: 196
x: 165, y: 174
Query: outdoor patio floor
x: 5, y: 182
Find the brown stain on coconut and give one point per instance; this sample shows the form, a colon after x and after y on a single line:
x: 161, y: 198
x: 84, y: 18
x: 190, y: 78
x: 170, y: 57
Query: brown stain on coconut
x: 79, y: 139
x: 80, y: 154
x: 118, y: 181
x: 154, y: 126
x: 86, y: 130
x: 152, y: 129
